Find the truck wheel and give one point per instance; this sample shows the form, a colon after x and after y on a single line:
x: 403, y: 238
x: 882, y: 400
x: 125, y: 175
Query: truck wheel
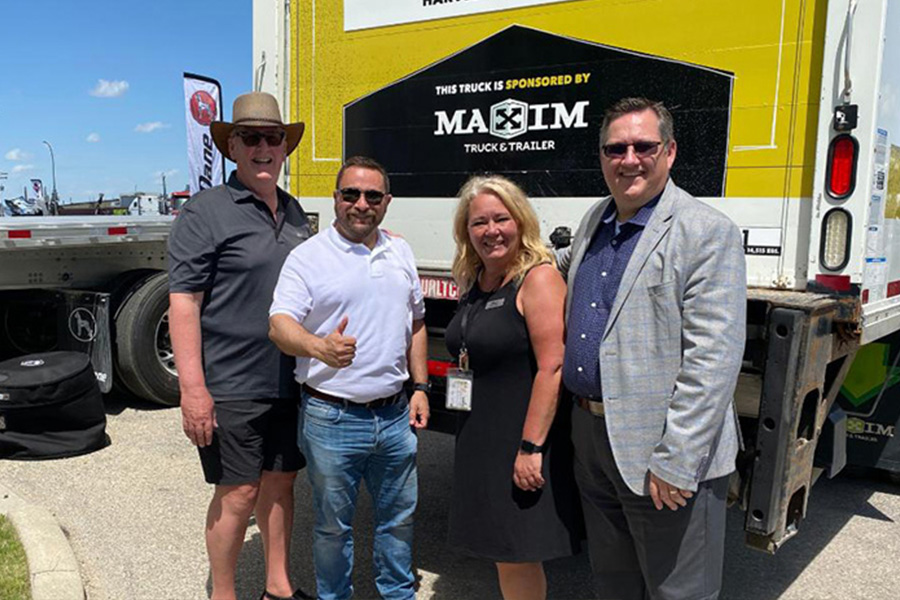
x: 144, y: 358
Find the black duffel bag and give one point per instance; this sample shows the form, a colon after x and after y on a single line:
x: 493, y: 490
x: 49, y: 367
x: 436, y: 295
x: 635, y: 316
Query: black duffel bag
x: 50, y: 406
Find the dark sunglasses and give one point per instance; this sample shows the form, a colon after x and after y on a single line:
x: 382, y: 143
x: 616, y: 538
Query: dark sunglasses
x: 373, y: 197
x: 253, y: 138
x: 641, y: 149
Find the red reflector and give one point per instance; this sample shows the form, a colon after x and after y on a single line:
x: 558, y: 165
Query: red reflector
x: 838, y: 283
x: 117, y: 231
x: 438, y: 368
x: 865, y: 297
x: 19, y: 234
x: 843, y: 163
x: 893, y: 289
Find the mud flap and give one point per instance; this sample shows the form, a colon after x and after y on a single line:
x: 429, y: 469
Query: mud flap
x: 83, y: 326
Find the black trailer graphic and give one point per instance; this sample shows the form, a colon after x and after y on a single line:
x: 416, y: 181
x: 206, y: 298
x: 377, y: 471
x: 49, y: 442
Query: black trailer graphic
x: 870, y: 396
x: 528, y: 104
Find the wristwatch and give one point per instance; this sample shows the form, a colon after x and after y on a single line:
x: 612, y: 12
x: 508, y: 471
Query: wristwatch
x: 422, y: 387
x: 530, y: 447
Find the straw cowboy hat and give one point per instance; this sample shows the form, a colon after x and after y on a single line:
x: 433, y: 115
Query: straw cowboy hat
x: 256, y: 109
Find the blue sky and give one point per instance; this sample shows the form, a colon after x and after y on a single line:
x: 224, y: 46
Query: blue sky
x: 117, y: 136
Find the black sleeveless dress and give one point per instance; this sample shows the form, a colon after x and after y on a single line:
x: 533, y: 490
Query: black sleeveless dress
x: 489, y: 516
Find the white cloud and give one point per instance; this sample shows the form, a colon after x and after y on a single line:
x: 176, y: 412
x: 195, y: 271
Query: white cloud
x: 109, y: 89
x: 151, y: 126
x: 93, y: 138
x: 22, y: 168
x: 17, y: 154
x: 169, y: 174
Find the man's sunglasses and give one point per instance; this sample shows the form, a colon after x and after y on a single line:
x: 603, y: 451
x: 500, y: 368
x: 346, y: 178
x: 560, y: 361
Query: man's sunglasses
x: 641, y: 149
x: 253, y: 138
x: 351, y: 195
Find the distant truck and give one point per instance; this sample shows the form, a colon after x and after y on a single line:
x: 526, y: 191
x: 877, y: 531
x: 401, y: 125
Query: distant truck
x: 147, y: 204
x: 787, y: 120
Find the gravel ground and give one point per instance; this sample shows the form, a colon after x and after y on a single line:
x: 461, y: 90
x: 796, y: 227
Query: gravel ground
x: 134, y: 513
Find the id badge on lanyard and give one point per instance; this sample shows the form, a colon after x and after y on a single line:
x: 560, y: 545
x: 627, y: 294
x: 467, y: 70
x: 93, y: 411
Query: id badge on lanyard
x: 459, y: 389
x: 461, y: 381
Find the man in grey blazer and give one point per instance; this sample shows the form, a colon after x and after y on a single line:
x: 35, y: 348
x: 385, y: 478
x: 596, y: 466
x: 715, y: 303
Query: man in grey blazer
x: 655, y: 317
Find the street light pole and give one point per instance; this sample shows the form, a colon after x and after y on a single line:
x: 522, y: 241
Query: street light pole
x: 54, y: 199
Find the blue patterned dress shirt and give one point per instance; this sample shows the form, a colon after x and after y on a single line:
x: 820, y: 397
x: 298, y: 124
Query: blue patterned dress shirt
x: 596, y: 284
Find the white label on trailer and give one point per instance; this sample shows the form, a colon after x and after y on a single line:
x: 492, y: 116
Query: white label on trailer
x: 762, y: 241
x: 873, y: 241
x: 879, y: 175
x: 875, y: 275
x: 875, y: 278
x: 439, y: 288
x: 365, y: 14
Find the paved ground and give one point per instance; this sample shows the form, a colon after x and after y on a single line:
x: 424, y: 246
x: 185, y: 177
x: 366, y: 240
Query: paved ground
x: 134, y: 513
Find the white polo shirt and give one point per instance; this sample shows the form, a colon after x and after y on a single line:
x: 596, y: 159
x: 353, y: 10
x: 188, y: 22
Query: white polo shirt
x: 328, y: 277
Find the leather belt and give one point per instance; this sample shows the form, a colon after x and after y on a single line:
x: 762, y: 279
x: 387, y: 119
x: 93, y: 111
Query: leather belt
x: 372, y: 404
x: 594, y: 407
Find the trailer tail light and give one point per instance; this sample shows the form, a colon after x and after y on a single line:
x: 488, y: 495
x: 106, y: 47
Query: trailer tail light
x: 841, y: 173
x: 835, y: 249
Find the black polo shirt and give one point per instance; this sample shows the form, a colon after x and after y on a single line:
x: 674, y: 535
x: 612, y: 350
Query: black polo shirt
x: 226, y: 243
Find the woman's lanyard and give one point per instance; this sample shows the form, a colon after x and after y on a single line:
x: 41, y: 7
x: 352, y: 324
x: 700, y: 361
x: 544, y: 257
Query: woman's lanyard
x: 464, y: 328
x: 461, y: 381
x: 468, y: 312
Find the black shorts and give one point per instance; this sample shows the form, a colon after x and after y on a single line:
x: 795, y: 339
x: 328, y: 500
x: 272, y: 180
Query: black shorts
x: 252, y: 436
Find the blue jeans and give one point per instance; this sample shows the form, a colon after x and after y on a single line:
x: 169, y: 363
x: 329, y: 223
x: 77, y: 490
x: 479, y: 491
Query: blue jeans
x: 343, y: 446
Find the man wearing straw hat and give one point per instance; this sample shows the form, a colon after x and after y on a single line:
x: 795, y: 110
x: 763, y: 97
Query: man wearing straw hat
x: 238, y: 399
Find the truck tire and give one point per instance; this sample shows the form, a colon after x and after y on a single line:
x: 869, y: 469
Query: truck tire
x: 144, y: 359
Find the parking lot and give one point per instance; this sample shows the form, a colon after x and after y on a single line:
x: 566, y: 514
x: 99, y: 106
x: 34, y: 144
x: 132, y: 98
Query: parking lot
x: 134, y: 513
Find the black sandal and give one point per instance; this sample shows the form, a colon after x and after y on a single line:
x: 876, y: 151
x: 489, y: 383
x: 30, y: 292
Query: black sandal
x: 298, y: 594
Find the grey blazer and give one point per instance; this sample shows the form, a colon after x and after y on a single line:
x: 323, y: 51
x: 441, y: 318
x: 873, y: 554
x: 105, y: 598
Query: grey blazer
x: 672, y: 349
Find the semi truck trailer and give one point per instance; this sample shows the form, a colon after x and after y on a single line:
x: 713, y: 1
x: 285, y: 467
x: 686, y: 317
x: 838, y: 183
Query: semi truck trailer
x: 95, y: 284
x: 787, y: 117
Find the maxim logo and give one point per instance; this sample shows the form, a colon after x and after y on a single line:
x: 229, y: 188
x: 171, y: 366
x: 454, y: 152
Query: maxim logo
x: 860, y: 427
x: 511, y: 118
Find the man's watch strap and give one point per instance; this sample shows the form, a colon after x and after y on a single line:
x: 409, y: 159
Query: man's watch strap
x: 530, y: 447
x: 422, y: 387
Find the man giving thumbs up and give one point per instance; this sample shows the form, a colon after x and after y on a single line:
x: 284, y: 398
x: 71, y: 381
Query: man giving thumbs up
x: 348, y: 305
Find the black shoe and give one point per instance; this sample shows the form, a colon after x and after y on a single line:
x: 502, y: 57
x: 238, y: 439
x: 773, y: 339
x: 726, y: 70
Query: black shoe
x: 298, y: 594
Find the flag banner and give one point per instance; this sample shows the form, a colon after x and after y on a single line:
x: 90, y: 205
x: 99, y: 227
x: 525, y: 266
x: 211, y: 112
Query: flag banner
x: 202, y: 106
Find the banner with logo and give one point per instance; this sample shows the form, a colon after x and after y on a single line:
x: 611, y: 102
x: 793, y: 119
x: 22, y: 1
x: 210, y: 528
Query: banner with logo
x: 202, y: 106
x: 37, y: 187
x: 365, y: 14
x: 528, y: 104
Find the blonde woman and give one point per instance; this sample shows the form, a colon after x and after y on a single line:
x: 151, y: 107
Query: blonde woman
x: 514, y: 498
